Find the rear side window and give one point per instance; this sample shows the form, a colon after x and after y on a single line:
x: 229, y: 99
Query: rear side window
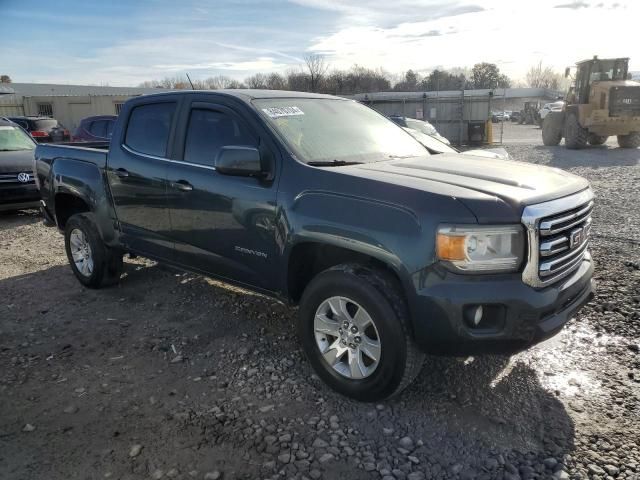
x: 209, y: 131
x: 148, y: 128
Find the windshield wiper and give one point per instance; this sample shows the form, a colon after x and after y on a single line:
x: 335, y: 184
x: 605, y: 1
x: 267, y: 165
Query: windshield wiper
x: 332, y: 163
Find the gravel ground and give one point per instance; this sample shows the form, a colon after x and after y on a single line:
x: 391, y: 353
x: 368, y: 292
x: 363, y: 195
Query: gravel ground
x: 173, y: 375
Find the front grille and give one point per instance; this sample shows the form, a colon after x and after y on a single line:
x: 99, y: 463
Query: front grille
x: 17, y: 178
x: 624, y: 101
x: 563, y: 240
x: 558, y: 233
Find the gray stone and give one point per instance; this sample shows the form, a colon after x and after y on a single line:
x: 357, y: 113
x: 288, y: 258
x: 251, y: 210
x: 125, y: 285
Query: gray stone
x: 319, y: 443
x: 595, y: 469
x: 135, y: 450
x: 326, y: 457
x: 284, y: 458
x: 550, y: 463
x: 215, y: 475
x: 406, y: 443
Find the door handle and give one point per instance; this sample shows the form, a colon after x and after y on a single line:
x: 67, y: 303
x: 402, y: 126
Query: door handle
x: 183, y: 185
x: 121, y: 172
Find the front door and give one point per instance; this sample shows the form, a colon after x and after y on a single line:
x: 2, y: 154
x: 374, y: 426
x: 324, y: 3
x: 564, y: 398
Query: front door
x: 136, y: 173
x: 222, y: 225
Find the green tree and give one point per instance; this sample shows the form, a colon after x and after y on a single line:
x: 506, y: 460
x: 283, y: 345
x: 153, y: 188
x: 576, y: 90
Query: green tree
x: 5, y: 79
x: 487, y: 75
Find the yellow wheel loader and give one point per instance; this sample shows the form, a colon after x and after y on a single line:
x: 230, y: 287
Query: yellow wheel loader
x: 602, y: 102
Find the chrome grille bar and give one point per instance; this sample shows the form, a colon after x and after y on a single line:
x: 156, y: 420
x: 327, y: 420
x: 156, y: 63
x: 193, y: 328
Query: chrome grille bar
x: 558, y: 237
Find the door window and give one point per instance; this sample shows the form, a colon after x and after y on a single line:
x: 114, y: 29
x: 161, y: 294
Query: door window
x: 149, y: 127
x: 208, y: 131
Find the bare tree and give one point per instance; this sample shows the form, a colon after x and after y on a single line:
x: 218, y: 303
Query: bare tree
x: 317, y: 67
x: 298, y: 80
x: 276, y: 82
x: 539, y: 76
x: 259, y: 80
x: 217, y: 82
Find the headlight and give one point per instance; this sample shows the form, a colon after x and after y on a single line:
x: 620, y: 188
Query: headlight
x: 485, y: 249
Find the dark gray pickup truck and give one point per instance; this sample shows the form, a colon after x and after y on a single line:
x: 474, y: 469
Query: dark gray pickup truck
x: 322, y: 202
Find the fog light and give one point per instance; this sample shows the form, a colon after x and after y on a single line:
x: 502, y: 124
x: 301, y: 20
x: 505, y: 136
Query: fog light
x: 473, y: 315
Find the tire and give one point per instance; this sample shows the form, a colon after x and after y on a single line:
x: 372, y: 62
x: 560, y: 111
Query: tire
x: 342, y: 293
x: 551, y: 131
x: 629, y: 141
x: 594, y: 139
x: 93, y: 263
x: 575, y: 137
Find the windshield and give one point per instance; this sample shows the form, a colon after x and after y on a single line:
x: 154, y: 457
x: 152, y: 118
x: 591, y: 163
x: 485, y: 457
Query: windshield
x: 13, y: 139
x: 46, y: 124
x: 423, y: 127
x: 603, y: 70
x: 431, y: 143
x: 327, y: 130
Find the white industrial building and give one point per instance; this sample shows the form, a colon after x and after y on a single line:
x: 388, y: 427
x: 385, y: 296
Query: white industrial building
x: 67, y: 103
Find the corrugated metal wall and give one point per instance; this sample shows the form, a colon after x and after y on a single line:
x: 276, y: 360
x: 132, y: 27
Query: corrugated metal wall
x: 451, y: 115
x: 68, y: 110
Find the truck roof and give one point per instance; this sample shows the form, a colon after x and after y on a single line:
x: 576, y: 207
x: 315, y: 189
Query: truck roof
x: 250, y: 94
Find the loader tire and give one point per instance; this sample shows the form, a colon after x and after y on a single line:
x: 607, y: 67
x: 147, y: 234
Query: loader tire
x: 551, y: 131
x: 575, y: 137
x: 629, y: 141
x: 597, y: 139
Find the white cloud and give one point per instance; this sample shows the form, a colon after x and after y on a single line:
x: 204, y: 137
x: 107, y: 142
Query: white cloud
x: 556, y: 35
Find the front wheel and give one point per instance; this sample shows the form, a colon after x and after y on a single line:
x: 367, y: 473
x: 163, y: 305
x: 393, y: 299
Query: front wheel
x: 575, y: 136
x: 354, y: 329
x: 551, y: 130
x: 629, y: 141
x: 93, y: 263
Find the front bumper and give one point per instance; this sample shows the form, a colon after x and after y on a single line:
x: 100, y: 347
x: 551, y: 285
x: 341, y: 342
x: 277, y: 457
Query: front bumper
x: 16, y: 197
x: 516, y: 315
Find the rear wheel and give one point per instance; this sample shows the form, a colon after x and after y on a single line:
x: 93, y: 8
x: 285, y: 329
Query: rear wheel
x: 597, y: 139
x: 551, y: 130
x: 629, y: 141
x: 354, y: 329
x: 575, y: 136
x: 93, y: 263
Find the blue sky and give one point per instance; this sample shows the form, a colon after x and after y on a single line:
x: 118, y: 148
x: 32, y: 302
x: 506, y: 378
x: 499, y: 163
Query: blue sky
x: 127, y: 42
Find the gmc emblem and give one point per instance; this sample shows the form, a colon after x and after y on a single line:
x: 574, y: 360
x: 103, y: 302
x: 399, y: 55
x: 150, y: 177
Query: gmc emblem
x: 575, y: 238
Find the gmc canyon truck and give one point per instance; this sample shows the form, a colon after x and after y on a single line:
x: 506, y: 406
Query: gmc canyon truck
x: 326, y: 204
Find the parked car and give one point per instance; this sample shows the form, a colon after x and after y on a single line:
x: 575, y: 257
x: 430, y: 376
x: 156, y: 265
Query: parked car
x: 43, y: 129
x: 95, y: 129
x: 418, y: 125
x: 435, y: 146
x: 388, y: 252
x: 17, y: 185
x: 497, y: 117
x: 515, y: 116
x: 550, y: 107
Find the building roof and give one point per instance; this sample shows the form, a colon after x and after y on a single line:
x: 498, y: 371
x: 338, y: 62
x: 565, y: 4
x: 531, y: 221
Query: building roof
x: 498, y: 92
x: 50, y: 89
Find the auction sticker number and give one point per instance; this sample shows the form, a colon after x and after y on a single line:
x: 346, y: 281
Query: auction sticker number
x: 275, y: 112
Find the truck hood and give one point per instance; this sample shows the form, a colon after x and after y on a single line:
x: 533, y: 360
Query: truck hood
x: 18, y: 161
x: 476, y: 180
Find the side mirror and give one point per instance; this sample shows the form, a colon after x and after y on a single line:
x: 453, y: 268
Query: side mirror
x: 239, y: 161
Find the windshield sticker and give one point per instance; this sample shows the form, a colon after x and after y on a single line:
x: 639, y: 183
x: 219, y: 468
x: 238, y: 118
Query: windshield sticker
x: 276, y: 112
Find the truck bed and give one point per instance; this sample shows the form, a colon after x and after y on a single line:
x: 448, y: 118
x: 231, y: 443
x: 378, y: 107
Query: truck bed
x: 92, y: 152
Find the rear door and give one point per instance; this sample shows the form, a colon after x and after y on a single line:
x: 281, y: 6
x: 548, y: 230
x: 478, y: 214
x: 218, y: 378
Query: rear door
x: 222, y: 225
x: 136, y: 172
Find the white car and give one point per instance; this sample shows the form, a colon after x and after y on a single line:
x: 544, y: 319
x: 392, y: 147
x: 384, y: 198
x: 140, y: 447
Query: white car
x: 435, y: 146
x: 550, y: 107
